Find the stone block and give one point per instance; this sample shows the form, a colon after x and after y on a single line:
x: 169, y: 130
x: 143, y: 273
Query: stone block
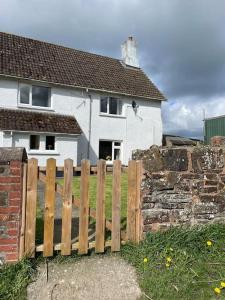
x: 4, y: 198
x: 175, y: 159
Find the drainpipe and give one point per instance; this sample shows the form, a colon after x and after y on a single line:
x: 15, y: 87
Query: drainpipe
x: 89, y: 127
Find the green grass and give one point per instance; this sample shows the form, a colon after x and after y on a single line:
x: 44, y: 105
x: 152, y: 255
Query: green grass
x: 108, y: 193
x: 196, y: 269
x: 14, y: 279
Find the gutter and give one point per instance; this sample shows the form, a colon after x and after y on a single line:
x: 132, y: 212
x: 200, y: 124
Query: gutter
x: 83, y: 87
x: 40, y: 132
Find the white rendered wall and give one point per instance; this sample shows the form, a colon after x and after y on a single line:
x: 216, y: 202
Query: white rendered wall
x: 65, y: 147
x: 137, y: 130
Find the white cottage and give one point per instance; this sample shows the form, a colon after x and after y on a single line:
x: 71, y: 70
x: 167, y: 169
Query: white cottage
x: 65, y: 103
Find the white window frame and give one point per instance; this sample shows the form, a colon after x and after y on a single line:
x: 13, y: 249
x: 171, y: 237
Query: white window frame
x: 113, y: 147
x: 29, y: 105
x: 42, y: 146
x: 118, y: 106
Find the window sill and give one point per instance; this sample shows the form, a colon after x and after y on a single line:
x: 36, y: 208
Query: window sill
x: 35, y: 107
x: 112, y: 116
x: 43, y: 152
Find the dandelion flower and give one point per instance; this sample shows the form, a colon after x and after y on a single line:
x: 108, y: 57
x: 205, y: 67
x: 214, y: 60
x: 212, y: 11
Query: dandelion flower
x: 167, y: 265
x: 209, y: 243
x: 145, y: 260
x: 222, y: 283
x: 217, y: 290
x: 169, y: 259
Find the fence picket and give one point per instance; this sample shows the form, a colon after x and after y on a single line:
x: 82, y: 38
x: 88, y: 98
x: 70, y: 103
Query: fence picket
x: 116, y: 199
x: 67, y: 207
x: 49, y: 207
x: 138, y: 202
x: 131, y: 202
x: 84, y: 207
x: 100, y: 207
x: 31, y: 204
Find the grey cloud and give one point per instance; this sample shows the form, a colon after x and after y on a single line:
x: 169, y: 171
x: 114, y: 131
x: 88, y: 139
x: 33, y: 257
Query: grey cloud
x: 181, y: 43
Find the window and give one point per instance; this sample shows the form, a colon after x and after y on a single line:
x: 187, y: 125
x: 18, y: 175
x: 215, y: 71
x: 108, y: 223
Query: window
x: 109, y: 150
x: 34, y: 95
x: 34, y: 142
x: 111, y: 106
x: 50, y: 142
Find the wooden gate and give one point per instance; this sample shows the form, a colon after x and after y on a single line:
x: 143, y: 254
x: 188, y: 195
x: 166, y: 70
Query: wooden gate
x: 84, y: 241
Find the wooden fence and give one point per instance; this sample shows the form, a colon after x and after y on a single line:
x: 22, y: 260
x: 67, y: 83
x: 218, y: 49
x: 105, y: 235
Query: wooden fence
x: 83, y: 244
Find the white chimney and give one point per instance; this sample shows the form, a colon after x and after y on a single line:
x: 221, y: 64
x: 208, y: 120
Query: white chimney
x: 129, y: 52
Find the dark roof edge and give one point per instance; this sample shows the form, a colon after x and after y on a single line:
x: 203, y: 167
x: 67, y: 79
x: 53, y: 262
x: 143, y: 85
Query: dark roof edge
x: 83, y: 87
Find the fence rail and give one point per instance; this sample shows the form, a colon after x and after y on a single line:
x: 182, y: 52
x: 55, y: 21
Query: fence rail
x: 83, y: 242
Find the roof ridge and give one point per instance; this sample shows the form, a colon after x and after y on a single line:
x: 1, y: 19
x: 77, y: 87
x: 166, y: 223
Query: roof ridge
x: 62, y: 46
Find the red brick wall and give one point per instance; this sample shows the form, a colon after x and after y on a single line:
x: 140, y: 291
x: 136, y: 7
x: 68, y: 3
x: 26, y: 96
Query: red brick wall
x: 11, y: 183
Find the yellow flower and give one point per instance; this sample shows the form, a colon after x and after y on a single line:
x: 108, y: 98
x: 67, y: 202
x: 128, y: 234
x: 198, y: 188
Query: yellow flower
x: 209, y: 243
x: 217, y: 290
x: 167, y: 265
x: 222, y: 283
x: 169, y: 259
x: 145, y: 260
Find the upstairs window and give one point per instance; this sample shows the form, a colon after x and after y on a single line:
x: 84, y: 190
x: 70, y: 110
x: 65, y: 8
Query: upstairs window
x: 34, y: 142
x: 34, y: 95
x: 50, y: 142
x: 111, y: 106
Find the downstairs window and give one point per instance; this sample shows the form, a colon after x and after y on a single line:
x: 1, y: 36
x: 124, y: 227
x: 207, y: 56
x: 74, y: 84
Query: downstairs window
x: 109, y: 150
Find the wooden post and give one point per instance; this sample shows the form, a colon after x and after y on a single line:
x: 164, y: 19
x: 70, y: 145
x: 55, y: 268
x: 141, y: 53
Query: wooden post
x: 100, y: 207
x: 49, y: 207
x: 31, y: 207
x: 84, y: 207
x: 67, y: 207
x: 116, y: 199
x: 131, y: 203
x: 24, y: 196
x: 138, y: 223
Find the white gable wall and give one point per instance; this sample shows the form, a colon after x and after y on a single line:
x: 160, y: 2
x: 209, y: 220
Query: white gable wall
x: 135, y: 130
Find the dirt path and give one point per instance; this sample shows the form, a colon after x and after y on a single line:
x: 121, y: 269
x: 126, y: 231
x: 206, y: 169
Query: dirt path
x: 94, y: 278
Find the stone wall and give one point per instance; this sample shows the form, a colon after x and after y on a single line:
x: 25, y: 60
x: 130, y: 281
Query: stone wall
x: 11, y: 185
x: 182, y: 186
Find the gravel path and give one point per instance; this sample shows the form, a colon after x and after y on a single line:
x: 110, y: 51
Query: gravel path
x: 91, y: 278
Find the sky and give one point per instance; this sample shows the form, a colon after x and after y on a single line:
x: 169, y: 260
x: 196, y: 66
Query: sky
x: 181, y: 45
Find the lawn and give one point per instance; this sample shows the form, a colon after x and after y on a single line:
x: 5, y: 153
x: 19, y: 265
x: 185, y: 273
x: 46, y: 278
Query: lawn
x: 108, y: 193
x: 181, y: 263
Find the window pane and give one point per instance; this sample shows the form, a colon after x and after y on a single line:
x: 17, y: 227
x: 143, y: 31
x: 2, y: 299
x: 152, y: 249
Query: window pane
x: 113, y: 106
x: 40, y: 96
x: 117, y: 143
x: 50, y: 143
x: 105, y: 150
x: 34, y: 142
x: 104, y: 101
x: 116, y: 153
x: 24, y: 93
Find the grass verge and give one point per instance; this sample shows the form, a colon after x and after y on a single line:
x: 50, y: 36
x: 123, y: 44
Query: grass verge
x: 14, y: 279
x: 180, y: 264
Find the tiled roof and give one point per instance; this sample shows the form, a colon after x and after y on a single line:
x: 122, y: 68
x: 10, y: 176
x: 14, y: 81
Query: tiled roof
x: 37, y: 60
x: 24, y: 120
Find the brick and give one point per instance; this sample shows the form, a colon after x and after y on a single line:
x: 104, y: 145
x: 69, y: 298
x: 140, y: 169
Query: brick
x: 15, y: 203
x: 8, y: 217
x: 211, y: 182
x: 13, y: 225
x: 4, y: 198
x: 8, y: 248
x: 15, y: 172
x: 10, y: 187
x: 15, y: 164
x: 210, y: 189
x: 9, y: 241
x: 9, y: 210
x: 15, y: 195
x: 9, y: 179
x: 11, y: 256
x: 13, y: 232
